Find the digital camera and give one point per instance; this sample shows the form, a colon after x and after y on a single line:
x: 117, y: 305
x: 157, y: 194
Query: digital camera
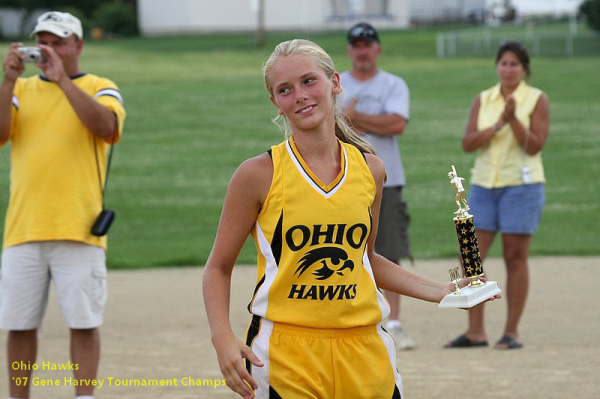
x: 32, y: 54
x: 526, y: 175
x: 103, y: 222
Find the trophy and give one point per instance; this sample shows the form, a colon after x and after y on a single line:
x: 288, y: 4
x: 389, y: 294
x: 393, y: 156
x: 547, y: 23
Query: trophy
x: 477, y: 291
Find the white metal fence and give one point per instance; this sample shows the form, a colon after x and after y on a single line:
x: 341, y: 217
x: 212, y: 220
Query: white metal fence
x: 486, y: 42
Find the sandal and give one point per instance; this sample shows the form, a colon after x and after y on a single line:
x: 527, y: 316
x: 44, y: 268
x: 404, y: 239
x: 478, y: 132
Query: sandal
x: 507, y: 342
x: 463, y: 342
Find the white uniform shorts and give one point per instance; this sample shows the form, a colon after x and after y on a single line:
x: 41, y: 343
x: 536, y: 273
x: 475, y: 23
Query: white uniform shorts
x: 79, y: 274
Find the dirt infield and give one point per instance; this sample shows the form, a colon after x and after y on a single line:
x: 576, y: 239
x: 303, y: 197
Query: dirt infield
x: 155, y: 332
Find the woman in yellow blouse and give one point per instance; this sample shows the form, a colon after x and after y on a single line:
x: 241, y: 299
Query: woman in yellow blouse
x: 508, y: 125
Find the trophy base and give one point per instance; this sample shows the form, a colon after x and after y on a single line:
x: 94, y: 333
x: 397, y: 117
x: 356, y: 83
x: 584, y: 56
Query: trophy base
x: 470, y: 296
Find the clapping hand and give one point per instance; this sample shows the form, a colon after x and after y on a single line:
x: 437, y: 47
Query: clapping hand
x: 509, y: 109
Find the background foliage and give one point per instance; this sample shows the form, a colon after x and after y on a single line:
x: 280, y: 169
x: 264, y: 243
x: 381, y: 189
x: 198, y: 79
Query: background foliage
x: 113, y: 16
x: 591, y: 10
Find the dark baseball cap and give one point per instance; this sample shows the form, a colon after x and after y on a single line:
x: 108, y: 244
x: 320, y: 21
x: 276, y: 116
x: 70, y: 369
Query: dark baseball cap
x: 362, y: 31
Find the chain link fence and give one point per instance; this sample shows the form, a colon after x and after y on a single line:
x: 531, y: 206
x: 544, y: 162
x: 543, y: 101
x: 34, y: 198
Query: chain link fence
x: 485, y: 42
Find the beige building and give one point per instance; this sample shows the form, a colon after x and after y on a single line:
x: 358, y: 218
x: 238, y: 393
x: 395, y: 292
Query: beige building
x: 187, y: 16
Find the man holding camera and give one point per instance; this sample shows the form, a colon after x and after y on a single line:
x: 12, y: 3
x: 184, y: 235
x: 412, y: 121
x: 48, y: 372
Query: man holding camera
x: 60, y: 124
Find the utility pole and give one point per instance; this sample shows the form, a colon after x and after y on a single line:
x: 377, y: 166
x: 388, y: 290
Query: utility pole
x: 261, y: 24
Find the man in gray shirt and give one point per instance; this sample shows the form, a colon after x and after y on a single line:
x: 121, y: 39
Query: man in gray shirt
x: 376, y: 103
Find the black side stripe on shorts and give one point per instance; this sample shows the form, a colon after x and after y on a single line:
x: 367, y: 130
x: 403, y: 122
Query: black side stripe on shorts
x: 273, y: 393
x: 396, y: 394
x: 253, y: 331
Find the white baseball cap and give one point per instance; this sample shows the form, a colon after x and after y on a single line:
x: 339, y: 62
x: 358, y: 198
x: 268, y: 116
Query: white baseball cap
x: 61, y: 24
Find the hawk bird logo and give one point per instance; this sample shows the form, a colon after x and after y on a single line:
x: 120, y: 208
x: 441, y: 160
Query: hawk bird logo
x: 335, y: 257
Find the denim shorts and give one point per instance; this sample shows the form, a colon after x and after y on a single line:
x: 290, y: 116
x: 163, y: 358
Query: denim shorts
x: 510, y: 210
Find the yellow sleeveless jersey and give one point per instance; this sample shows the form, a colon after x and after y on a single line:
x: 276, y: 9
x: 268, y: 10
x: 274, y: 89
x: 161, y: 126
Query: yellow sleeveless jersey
x: 313, y: 268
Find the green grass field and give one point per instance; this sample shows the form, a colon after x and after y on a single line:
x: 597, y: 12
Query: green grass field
x: 197, y: 108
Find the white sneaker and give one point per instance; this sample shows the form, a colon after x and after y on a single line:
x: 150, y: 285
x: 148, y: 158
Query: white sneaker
x: 403, y: 341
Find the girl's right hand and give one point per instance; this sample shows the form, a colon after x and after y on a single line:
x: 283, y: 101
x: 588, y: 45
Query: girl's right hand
x: 231, y: 353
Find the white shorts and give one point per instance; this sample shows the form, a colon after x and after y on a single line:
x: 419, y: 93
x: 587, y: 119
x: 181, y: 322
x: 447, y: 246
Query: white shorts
x: 79, y: 274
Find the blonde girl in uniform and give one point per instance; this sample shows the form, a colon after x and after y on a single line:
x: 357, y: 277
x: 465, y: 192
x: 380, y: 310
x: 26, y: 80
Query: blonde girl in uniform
x: 311, y: 204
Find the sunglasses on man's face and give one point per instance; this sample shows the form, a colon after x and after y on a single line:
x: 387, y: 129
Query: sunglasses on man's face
x: 361, y: 31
